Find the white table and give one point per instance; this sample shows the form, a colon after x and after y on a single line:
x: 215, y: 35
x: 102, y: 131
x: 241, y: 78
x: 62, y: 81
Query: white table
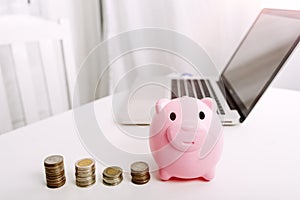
x: 261, y: 158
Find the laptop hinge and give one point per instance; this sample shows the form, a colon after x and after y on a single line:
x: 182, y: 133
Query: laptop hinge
x: 227, y: 96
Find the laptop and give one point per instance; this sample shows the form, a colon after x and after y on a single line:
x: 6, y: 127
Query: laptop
x: 257, y: 60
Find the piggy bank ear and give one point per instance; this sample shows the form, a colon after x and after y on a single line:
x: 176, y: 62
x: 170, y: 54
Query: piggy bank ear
x: 160, y: 104
x: 211, y: 103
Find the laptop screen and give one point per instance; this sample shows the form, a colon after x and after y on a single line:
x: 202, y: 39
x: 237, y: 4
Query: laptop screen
x: 261, y: 54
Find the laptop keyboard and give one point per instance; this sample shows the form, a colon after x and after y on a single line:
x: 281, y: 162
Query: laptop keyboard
x: 198, y: 88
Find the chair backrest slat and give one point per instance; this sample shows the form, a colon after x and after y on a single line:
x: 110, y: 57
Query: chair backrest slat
x: 71, y: 71
x: 25, y: 82
x: 5, y: 118
x: 53, y: 80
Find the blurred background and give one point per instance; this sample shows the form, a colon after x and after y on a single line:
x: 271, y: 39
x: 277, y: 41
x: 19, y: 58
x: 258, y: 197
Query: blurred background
x: 217, y: 25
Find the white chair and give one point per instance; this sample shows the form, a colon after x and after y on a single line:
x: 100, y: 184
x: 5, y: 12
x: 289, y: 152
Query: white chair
x: 58, y: 66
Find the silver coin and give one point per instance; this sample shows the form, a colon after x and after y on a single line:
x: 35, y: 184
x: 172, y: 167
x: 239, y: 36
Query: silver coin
x: 82, y: 182
x: 85, y: 174
x: 112, y: 182
x: 53, y: 160
x: 86, y: 182
x: 83, y: 170
x: 139, y: 167
x: 86, y: 185
x: 86, y: 178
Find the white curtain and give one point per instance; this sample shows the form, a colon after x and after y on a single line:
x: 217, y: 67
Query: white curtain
x: 216, y: 25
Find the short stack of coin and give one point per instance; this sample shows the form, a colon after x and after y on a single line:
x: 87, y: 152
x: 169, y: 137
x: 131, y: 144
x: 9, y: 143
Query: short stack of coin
x: 140, y: 173
x: 85, y: 172
x: 55, y: 173
x: 112, y: 176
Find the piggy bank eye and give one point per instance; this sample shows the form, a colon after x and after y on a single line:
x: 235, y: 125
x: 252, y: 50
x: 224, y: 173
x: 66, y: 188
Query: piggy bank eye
x: 201, y: 115
x: 172, y: 116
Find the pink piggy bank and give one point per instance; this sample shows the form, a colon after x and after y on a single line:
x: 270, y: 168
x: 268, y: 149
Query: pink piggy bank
x: 186, y: 138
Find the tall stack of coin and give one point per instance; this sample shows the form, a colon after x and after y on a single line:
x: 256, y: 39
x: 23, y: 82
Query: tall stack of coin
x: 55, y: 173
x: 85, y: 172
x: 140, y: 173
x: 112, y: 176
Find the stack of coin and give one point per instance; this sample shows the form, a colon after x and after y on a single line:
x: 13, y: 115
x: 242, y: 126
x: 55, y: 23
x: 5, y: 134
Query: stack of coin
x: 140, y: 173
x: 85, y: 172
x: 112, y: 176
x: 55, y: 173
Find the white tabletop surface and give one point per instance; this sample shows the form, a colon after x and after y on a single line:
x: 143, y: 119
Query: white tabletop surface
x: 261, y: 158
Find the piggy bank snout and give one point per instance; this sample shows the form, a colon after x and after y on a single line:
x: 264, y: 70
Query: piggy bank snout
x: 189, y: 126
x: 187, y: 136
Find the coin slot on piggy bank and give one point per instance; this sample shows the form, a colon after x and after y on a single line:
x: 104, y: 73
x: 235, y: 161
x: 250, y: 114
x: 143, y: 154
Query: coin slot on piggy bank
x: 186, y: 138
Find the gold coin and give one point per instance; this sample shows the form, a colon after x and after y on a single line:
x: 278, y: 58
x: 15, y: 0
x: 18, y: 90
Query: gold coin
x: 140, y: 182
x: 112, y: 176
x: 85, y: 172
x: 112, y: 171
x: 56, y: 184
x: 85, y: 162
x: 141, y: 177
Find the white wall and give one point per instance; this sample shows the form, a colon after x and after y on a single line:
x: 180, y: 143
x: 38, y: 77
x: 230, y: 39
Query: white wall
x: 84, y: 18
x: 217, y: 25
x: 289, y: 76
x: 237, y: 17
x: 196, y: 19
